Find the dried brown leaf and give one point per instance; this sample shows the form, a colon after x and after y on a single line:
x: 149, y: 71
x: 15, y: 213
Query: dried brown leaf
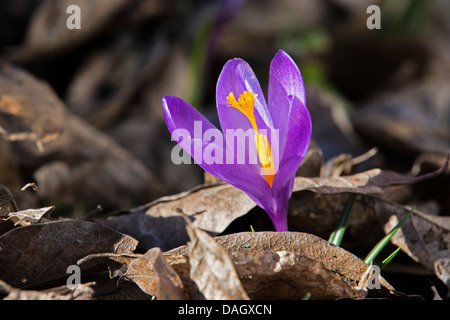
x: 170, y: 285
x: 426, y: 161
x: 289, y: 265
x: 212, y: 269
x: 155, y: 276
x: 40, y: 253
x: 29, y: 216
x: 368, y: 182
x: 79, y: 292
x: 150, y: 272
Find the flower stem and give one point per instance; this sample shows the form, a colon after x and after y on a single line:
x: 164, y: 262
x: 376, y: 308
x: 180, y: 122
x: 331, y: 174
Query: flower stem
x: 280, y: 222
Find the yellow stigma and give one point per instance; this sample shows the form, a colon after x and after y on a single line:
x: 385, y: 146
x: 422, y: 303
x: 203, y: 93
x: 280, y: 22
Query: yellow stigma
x: 246, y: 105
x: 265, y: 157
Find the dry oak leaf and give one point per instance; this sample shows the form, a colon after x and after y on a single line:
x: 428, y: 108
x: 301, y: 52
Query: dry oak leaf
x: 288, y: 265
x: 211, y: 268
x: 40, y: 253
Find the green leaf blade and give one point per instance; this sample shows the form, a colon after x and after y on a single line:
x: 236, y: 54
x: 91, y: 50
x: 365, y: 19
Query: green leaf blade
x: 389, y: 258
x: 386, y: 239
x: 338, y: 234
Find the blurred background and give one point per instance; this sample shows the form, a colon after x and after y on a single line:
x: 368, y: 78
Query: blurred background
x: 100, y: 88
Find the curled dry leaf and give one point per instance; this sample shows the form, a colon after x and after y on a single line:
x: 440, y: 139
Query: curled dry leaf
x: 155, y: 276
x: 170, y: 284
x: 29, y: 216
x: 213, y: 207
x: 427, y: 161
x: 79, y: 292
x: 289, y: 265
x: 24, y: 218
x: 69, y: 158
x: 150, y: 271
x: 211, y: 268
x: 108, y: 269
x: 288, y: 275
x: 368, y: 182
x: 40, y: 253
x: 424, y: 237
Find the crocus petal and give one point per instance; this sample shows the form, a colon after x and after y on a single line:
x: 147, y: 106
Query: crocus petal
x: 188, y: 126
x: 299, y: 136
x: 285, y: 82
x: 237, y: 76
x: 178, y: 115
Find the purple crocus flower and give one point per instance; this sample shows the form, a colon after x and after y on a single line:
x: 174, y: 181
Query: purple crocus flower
x: 268, y: 177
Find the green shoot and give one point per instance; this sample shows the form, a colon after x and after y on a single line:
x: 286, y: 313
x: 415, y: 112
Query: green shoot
x: 338, y: 233
x: 307, y: 296
x: 383, y: 242
x: 251, y: 228
x: 389, y: 258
